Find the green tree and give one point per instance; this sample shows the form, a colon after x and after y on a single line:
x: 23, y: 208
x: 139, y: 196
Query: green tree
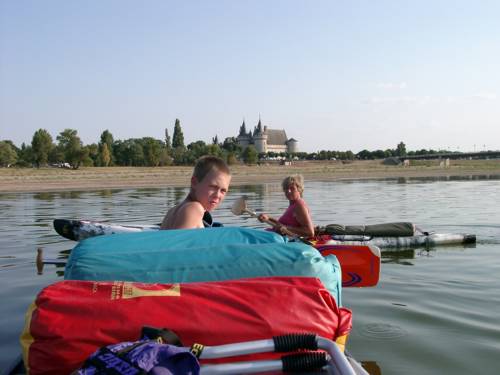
x: 14, y: 147
x: 24, y: 156
x: 178, y: 137
x: 378, y: 154
x: 41, y: 146
x: 152, y: 151
x: 250, y: 155
x: 231, y: 158
x: 107, y: 139
x: 87, y: 160
x: 122, y: 156
x: 179, y: 154
x: 72, y: 148
x: 56, y: 155
x: 94, y: 154
x: 401, y: 149
x: 8, y: 155
x: 129, y: 152
x: 197, y: 149
x: 389, y: 153
x: 230, y: 144
x: 364, y: 155
x: 104, y: 155
x: 168, y: 142
x: 215, y: 150
x: 136, y: 153
x: 165, y: 157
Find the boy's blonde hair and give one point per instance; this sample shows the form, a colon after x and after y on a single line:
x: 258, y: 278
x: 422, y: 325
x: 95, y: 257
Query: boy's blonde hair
x: 296, y: 179
x: 208, y: 162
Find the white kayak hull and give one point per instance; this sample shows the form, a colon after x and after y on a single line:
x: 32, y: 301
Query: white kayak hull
x: 395, y: 243
x: 80, y: 229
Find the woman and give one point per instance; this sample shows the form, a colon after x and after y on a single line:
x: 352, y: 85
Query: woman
x: 296, y: 219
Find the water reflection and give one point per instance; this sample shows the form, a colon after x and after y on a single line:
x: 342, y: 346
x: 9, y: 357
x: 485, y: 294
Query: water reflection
x: 107, y: 193
x: 44, y: 196
x: 399, y: 257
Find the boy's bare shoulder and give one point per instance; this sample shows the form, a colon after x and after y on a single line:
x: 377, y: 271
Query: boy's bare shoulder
x: 186, y: 215
x: 191, y: 207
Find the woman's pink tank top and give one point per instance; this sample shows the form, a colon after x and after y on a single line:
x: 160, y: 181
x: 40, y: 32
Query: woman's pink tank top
x: 288, y: 218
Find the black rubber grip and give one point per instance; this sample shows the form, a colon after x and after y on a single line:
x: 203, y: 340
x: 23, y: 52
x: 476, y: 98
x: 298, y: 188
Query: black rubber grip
x: 295, y: 341
x: 304, y: 362
x: 470, y: 238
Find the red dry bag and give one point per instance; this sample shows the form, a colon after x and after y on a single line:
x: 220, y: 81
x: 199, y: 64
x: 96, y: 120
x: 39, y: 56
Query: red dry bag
x: 69, y: 320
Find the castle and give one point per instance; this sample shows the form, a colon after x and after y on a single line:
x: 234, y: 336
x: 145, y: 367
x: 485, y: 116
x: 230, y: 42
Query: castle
x: 266, y: 140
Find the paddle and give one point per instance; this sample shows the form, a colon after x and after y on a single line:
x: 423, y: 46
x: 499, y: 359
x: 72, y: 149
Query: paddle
x: 41, y: 262
x: 240, y: 207
x: 360, y: 263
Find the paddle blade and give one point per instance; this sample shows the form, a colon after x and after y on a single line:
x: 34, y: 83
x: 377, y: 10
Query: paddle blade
x: 239, y: 206
x: 360, y: 264
x: 39, y: 260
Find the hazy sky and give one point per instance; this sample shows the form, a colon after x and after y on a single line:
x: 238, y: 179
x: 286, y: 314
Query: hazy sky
x: 336, y: 75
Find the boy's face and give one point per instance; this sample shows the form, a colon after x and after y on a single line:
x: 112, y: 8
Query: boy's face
x: 210, y: 191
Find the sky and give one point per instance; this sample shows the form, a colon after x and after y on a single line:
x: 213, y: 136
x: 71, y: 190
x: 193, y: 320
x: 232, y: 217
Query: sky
x: 336, y: 75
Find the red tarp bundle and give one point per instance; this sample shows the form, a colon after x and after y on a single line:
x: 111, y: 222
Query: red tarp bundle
x: 69, y: 320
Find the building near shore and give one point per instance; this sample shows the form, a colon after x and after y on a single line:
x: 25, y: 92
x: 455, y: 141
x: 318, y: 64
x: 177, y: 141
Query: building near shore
x: 267, y: 140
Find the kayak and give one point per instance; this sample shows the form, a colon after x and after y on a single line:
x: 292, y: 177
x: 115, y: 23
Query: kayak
x: 350, y: 366
x: 77, y: 230
x: 360, y: 263
x: 396, y: 243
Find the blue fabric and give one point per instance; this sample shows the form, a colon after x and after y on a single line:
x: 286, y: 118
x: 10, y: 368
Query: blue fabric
x: 147, y: 261
x: 174, y: 239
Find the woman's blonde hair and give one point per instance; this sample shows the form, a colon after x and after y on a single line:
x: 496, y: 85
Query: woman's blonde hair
x: 296, y: 179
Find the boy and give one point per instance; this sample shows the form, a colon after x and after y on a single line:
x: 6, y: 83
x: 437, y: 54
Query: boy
x: 209, y: 185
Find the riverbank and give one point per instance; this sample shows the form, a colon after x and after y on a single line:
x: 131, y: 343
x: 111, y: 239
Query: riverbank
x: 58, y: 179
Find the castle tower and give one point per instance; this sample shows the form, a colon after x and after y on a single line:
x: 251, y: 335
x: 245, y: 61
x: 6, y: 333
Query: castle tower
x: 292, y: 146
x: 243, y: 137
x: 260, y: 138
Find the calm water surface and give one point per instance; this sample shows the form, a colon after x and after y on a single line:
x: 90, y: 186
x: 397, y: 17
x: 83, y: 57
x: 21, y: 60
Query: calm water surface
x: 435, y: 311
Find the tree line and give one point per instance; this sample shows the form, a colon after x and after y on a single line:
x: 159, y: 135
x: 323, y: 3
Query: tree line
x: 69, y: 151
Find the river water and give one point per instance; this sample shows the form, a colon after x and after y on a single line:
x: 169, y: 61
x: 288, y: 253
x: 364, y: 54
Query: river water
x: 434, y: 311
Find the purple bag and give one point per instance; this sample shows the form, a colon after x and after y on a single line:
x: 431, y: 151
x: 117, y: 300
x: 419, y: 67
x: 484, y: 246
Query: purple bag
x: 141, y: 357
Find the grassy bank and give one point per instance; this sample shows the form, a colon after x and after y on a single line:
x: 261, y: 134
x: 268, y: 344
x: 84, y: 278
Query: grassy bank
x: 53, y: 179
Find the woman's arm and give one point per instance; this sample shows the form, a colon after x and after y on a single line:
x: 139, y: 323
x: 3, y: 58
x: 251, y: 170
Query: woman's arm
x: 265, y: 218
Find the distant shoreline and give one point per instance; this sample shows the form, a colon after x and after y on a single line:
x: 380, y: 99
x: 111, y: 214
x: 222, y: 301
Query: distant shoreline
x: 55, y: 179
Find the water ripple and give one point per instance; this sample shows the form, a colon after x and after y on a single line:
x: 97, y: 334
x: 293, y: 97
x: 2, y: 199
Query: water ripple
x: 382, y: 331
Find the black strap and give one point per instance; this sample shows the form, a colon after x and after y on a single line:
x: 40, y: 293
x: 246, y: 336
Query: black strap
x: 161, y: 335
x: 207, y: 220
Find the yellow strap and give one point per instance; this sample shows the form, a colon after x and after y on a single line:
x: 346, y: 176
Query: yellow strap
x: 196, y: 349
x: 341, y: 342
x: 26, y: 339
